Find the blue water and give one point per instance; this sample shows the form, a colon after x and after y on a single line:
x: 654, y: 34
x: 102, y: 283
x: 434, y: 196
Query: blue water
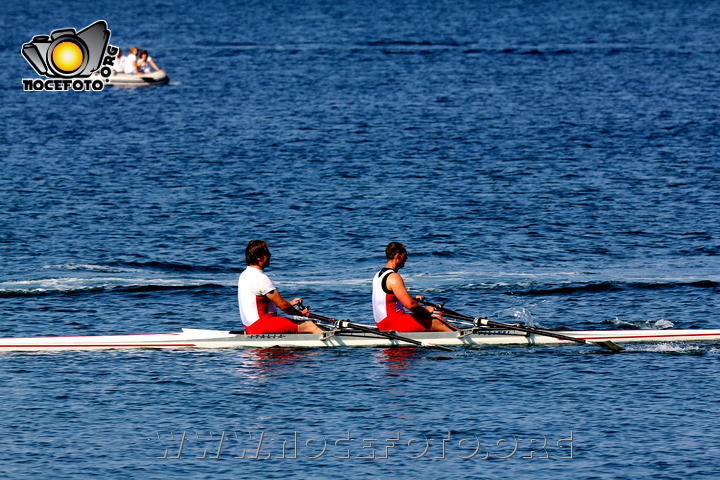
x: 550, y: 163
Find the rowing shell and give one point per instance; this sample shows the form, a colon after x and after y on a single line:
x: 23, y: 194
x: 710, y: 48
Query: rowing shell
x: 195, y: 338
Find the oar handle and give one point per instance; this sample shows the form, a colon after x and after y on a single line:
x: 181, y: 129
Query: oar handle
x: 447, y: 312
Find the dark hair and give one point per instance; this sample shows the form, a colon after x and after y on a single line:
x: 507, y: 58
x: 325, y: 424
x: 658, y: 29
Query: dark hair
x: 393, y: 249
x: 255, y: 250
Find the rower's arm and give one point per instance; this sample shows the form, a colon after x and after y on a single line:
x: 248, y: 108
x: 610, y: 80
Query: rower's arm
x: 275, y: 297
x: 396, y: 285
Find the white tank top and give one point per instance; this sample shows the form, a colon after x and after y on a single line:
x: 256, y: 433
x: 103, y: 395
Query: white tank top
x: 384, y: 302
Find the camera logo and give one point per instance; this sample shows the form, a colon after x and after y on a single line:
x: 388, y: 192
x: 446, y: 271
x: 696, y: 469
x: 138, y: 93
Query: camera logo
x: 66, y: 57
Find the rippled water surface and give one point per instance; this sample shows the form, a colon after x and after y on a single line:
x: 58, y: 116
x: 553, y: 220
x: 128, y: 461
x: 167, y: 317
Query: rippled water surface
x: 555, y: 165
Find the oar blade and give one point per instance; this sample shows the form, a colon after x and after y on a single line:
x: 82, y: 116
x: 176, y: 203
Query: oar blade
x: 608, y: 345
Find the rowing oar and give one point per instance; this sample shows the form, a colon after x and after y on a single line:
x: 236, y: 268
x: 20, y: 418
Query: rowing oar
x: 373, y: 331
x: 606, y: 344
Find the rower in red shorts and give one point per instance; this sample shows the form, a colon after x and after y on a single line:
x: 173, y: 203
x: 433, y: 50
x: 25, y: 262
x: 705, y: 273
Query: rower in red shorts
x: 390, y: 296
x: 259, y: 299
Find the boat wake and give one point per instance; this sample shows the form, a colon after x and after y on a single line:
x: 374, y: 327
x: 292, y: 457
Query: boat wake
x: 661, y: 324
x: 672, y: 348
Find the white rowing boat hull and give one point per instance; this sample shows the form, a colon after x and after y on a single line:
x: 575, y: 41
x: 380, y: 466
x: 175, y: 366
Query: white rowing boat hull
x: 194, y: 338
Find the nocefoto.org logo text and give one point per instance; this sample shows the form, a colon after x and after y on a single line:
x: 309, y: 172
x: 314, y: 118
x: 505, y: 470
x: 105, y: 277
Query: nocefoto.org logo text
x: 70, y: 60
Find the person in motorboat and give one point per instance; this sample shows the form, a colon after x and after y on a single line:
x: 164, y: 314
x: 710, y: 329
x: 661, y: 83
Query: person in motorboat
x: 144, y: 62
x: 389, y: 296
x: 259, y: 300
x: 131, y: 61
x: 119, y: 66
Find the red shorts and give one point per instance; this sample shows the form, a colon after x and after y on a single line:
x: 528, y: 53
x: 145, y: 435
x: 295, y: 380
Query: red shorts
x: 405, y: 323
x: 274, y: 324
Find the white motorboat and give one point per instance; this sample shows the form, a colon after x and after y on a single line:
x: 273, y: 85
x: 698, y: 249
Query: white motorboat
x: 138, y: 80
